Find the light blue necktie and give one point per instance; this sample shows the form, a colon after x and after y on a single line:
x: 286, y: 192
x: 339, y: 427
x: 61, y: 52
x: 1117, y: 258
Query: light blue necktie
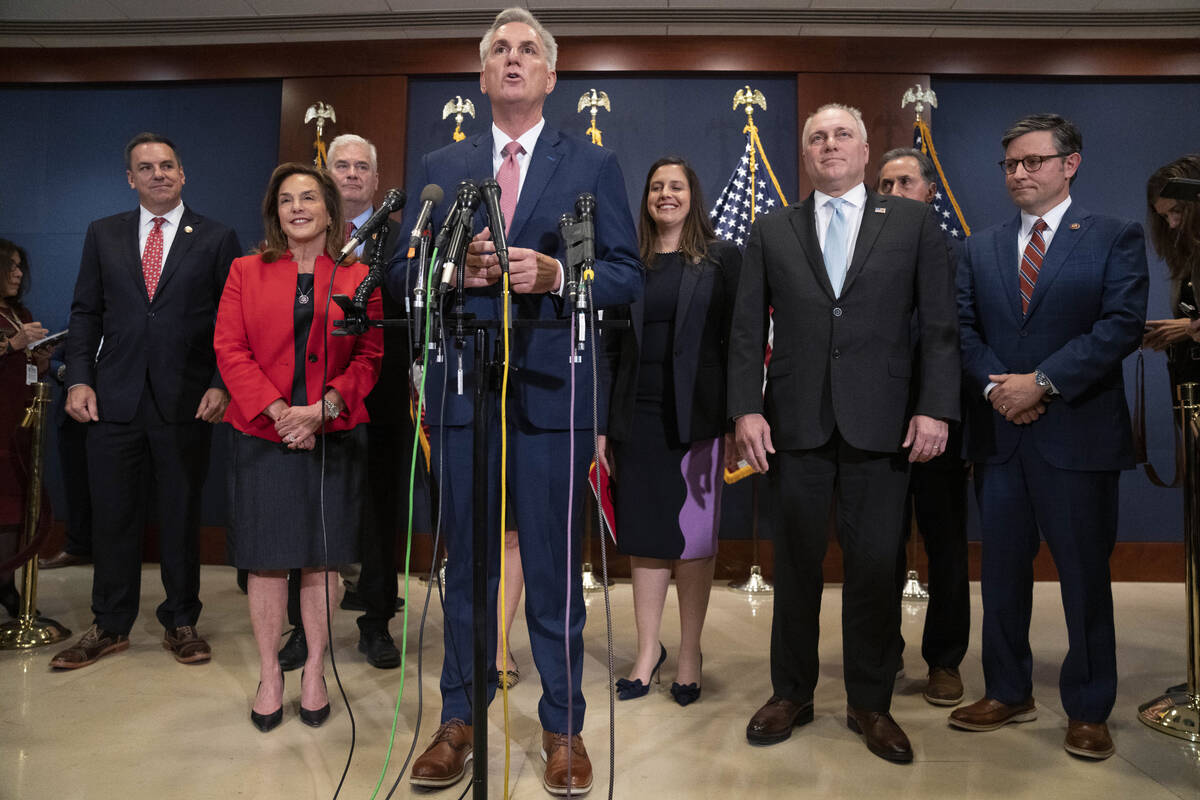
x: 835, y: 245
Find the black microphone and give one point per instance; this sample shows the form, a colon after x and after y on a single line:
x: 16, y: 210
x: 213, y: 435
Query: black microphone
x: 585, y: 209
x: 431, y: 195
x: 490, y: 190
x: 456, y: 250
x: 443, y: 236
x: 393, y: 201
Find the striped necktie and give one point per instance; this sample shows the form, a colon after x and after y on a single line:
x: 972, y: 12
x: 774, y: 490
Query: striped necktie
x: 1031, y: 264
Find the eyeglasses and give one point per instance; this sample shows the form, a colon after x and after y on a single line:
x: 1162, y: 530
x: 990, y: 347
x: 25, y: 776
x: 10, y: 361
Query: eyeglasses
x: 1031, y: 163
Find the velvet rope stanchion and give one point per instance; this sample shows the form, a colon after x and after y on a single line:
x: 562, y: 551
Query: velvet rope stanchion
x: 29, y: 630
x: 1177, y: 713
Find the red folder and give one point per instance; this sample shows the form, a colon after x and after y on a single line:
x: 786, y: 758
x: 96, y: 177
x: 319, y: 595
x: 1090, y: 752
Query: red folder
x: 602, y: 489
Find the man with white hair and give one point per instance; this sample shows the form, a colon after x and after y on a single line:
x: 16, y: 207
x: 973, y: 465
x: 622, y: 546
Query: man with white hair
x: 845, y: 270
x: 541, y: 172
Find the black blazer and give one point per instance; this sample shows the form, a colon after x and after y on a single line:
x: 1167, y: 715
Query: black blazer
x: 703, y: 312
x: 168, y: 342
x: 846, y: 362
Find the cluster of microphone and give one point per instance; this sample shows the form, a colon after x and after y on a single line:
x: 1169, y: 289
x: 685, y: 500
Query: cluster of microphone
x: 454, y: 236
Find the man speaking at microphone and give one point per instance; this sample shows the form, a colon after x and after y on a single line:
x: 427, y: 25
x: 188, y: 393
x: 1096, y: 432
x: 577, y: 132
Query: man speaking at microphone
x: 541, y: 173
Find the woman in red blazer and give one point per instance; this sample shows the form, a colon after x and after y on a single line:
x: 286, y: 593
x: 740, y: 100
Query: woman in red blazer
x: 296, y: 401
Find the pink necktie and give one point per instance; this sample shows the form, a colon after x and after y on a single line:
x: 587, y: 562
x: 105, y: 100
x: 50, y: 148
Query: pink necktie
x: 1031, y: 264
x: 152, y: 257
x: 509, y: 178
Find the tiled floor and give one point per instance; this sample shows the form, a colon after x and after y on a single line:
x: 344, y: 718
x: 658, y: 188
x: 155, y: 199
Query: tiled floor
x: 137, y: 725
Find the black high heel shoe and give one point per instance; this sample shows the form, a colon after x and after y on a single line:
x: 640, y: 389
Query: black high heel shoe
x: 266, y: 722
x: 314, y: 718
x: 631, y: 690
x: 687, y: 693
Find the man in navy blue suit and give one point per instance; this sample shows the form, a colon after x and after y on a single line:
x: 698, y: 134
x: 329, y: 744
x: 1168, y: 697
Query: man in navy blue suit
x: 544, y: 171
x: 1049, y: 305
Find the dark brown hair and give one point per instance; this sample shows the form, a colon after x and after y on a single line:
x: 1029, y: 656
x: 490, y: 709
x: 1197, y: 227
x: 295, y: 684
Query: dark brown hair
x: 275, y: 242
x: 697, y: 229
x: 7, y: 251
x: 1180, y: 248
x: 149, y: 138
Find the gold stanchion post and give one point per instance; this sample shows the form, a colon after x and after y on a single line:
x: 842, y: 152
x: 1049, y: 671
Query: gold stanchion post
x: 29, y: 630
x: 1177, y: 713
x: 756, y: 583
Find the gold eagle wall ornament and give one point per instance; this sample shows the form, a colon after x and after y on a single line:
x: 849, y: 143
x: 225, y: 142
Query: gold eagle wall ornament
x: 458, y: 107
x: 320, y: 111
x: 918, y: 97
x: 594, y: 101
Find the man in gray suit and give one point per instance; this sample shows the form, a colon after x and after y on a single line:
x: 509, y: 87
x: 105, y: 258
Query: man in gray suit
x: 845, y: 271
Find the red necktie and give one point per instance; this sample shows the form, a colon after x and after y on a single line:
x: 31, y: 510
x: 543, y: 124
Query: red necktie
x: 152, y: 257
x: 509, y: 178
x: 1031, y: 263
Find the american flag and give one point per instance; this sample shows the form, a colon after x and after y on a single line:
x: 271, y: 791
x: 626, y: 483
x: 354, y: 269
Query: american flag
x: 953, y: 224
x: 742, y: 199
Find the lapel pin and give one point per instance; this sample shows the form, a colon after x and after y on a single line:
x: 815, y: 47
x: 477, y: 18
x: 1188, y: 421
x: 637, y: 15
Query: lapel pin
x: 188, y: 229
x: 1074, y: 226
x: 880, y: 210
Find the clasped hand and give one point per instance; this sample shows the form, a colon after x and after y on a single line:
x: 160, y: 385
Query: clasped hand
x: 297, y: 426
x: 529, y: 272
x: 1017, y: 398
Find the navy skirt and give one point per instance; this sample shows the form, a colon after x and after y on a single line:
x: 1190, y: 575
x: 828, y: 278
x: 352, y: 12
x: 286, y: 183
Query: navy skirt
x: 275, y: 502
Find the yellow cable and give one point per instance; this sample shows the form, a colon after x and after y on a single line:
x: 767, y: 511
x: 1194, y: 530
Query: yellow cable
x: 927, y: 141
x: 503, y: 544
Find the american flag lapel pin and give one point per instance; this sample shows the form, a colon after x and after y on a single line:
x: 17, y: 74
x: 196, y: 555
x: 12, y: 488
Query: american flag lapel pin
x: 880, y: 210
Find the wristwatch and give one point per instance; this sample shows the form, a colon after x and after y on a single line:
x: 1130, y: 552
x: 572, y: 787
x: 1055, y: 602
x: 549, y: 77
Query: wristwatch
x: 1041, y: 380
x: 331, y: 410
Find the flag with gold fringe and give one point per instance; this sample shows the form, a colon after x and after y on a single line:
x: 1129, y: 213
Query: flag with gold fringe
x: 953, y: 224
x: 752, y: 188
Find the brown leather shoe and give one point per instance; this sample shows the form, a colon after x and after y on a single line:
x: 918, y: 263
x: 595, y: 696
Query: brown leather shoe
x: 187, y: 645
x: 554, y: 753
x: 91, y: 647
x: 1089, y: 740
x: 988, y: 714
x: 773, y: 723
x: 945, y: 687
x: 444, y: 762
x: 63, y: 559
x: 883, y: 736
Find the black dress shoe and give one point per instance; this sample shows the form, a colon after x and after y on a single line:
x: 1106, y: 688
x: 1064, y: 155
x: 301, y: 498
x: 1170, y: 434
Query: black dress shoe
x: 314, y: 717
x: 379, y: 648
x: 883, y: 736
x: 294, y: 652
x: 773, y: 722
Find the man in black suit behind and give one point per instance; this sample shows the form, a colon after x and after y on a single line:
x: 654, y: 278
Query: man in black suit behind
x: 844, y: 270
x: 141, y: 371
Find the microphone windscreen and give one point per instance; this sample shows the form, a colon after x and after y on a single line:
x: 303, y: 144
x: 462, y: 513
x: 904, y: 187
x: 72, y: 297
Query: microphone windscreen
x: 432, y: 194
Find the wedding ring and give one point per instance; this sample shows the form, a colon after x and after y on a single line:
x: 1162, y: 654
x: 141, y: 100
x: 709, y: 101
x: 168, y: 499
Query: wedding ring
x: 1004, y: 408
x: 291, y: 438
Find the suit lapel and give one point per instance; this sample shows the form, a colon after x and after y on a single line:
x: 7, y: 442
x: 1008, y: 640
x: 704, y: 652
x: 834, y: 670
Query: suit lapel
x: 1007, y: 266
x: 1070, y: 230
x: 479, y: 159
x: 804, y: 225
x: 688, y: 282
x: 179, y: 247
x: 545, y: 159
x: 868, y: 232
x: 130, y: 253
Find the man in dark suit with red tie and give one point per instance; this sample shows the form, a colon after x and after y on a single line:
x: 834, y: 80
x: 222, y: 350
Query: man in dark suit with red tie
x: 1049, y: 304
x: 845, y: 271
x: 141, y: 372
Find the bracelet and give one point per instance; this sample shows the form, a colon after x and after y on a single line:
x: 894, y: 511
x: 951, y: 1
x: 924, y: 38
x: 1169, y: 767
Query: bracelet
x: 331, y: 409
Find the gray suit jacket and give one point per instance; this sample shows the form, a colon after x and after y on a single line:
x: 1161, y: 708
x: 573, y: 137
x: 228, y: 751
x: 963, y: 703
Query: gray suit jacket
x: 846, y: 362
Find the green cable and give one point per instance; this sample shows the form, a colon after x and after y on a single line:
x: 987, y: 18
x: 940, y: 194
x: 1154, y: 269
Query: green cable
x: 412, y: 476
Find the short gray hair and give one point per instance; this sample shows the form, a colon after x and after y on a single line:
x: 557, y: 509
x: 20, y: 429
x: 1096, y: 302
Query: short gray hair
x: 924, y: 162
x: 517, y: 14
x: 351, y: 138
x: 851, y: 110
